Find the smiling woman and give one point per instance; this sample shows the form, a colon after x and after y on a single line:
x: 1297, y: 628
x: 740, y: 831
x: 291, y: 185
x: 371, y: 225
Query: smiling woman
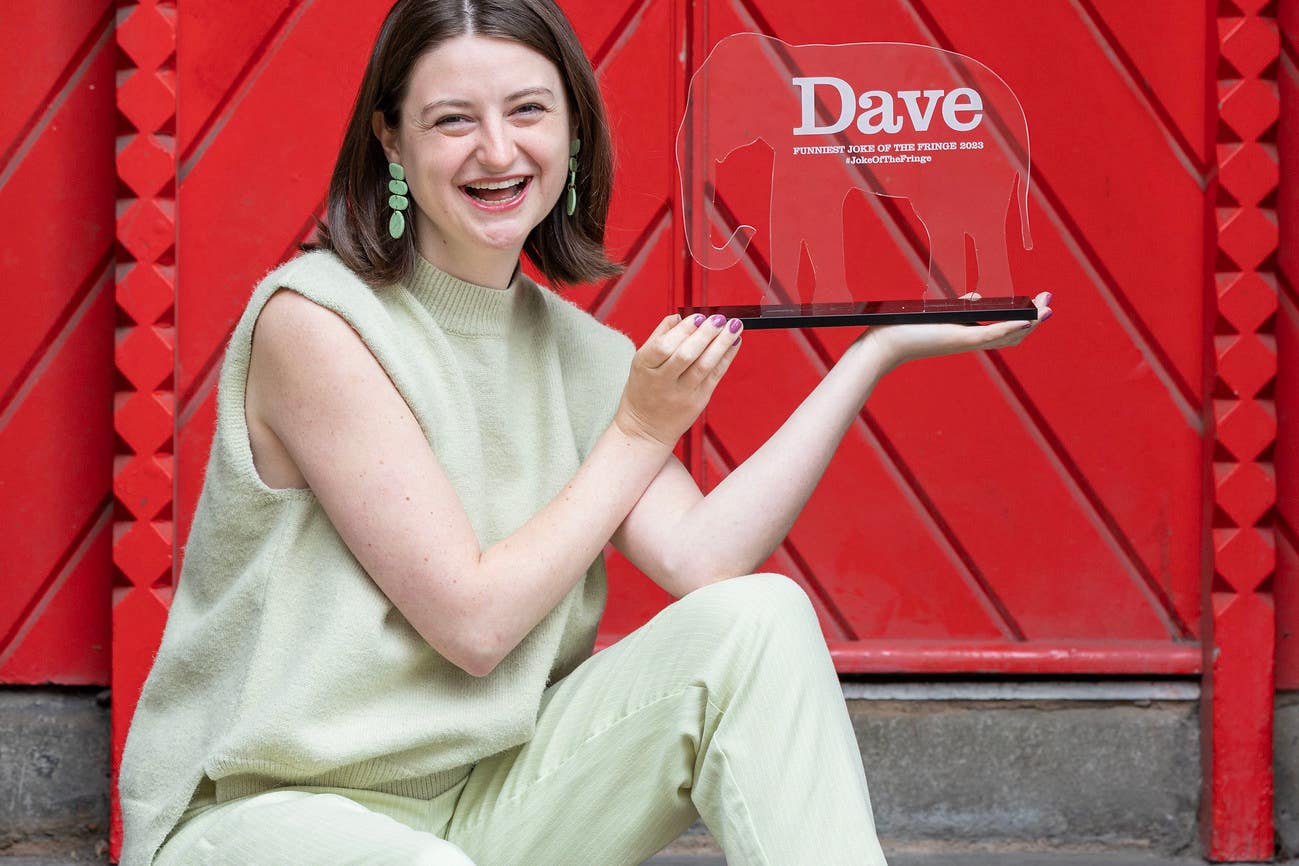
x: 471, y: 108
x: 487, y: 155
x: 379, y: 649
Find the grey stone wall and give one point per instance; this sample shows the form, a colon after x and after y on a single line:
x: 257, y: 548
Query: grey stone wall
x: 55, y: 771
x: 1286, y: 761
x: 1048, y: 774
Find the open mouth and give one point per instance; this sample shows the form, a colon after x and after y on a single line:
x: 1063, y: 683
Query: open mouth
x: 501, y: 193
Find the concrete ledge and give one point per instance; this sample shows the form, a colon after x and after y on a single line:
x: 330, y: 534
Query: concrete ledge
x: 54, y: 768
x: 1040, y: 773
x: 1285, y: 760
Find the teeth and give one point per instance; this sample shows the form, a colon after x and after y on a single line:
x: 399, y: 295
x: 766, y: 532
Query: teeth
x: 500, y: 184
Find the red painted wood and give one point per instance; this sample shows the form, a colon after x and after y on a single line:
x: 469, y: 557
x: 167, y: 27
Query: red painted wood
x: 1236, y: 732
x: 1092, y: 501
x: 143, y: 403
x: 1286, y: 585
x: 56, y: 215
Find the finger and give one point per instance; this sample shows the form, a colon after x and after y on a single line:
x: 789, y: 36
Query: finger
x: 985, y: 335
x: 722, y: 343
x: 670, y: 342
x: 719, y: 370
x: 694, y: 344
x: 668, y: 323
x: 652, y: 349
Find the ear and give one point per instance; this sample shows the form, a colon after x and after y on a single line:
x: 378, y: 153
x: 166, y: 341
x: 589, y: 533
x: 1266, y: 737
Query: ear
x: 387, y: 136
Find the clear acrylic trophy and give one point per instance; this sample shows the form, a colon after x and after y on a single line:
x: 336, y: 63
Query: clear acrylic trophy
x: 893, y: 120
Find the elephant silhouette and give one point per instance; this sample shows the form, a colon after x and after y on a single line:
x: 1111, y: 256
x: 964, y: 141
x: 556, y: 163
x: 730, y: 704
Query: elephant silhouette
x: 932, y: 126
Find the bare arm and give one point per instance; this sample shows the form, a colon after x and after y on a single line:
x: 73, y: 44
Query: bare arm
x: 734, y: 528
x: 684, y: 540
x: 361, y: 451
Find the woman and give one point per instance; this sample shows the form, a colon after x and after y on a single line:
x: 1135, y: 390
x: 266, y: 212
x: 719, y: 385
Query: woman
x: 379, y: 650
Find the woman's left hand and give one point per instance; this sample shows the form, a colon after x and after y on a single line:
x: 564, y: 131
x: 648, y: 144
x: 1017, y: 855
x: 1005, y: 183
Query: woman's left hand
x: 899, y: 343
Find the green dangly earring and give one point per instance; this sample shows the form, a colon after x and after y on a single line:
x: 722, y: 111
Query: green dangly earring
x: 570, y: 203
x: 397, y: 201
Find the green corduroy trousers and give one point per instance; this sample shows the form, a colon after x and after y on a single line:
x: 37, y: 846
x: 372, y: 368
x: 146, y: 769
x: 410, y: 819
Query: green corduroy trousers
x: 724, y: 706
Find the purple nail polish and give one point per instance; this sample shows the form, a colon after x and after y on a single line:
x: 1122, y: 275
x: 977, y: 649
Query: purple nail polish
x: 717, y: 321
x: 735, y: 326
x: 1049, y: 314
x: 699, y: 319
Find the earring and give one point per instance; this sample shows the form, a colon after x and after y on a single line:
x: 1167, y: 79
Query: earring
x: 570, y: 204
x: 397, y: 200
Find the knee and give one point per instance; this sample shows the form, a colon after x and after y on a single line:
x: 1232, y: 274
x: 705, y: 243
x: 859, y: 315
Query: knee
x: 763, y: 601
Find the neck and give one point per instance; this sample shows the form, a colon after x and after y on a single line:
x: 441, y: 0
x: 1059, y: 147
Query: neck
x: 493, y: 269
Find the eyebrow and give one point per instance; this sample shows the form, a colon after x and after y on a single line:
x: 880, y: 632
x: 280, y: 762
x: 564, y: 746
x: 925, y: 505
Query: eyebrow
x: 463, y: 103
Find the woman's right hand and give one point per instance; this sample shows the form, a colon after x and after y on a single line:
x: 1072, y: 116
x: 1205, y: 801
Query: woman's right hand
x: 673, y: 376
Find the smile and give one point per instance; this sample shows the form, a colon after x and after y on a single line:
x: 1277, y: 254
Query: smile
x: 497, y: 195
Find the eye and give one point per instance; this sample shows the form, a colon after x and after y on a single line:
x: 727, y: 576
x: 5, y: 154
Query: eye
x: 451, y: 120
x: 530, y: 109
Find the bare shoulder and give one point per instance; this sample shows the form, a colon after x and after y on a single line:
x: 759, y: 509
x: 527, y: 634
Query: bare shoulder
x: 304, y: 357
x: 289, y: 321
x: 299, y: 344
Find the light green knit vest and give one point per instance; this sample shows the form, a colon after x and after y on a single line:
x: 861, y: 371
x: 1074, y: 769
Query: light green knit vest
x: 282, y: 663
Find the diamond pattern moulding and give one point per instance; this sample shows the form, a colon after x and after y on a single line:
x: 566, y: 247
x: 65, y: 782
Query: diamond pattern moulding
x: 143, y: 550
x: 1247, y: 555
x: 146, y: 101
x: 147, y: 36
x: 1245, y: 491
x: 1246, y: 299
x: 1244, y: 107
x: 1247, y: 236
x: 1236, y: 820
x: 144, y: 420
x: 145, y: 356
x: 146, y: 165
x: 1245, y: 427
x: 143, y: 484
x: 1246, y: 363
x: 1249, y: 172
x: 143, y: 292
x: 1250, y: 44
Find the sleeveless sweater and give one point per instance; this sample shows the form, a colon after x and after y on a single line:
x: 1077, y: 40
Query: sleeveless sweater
x: 282, y: 663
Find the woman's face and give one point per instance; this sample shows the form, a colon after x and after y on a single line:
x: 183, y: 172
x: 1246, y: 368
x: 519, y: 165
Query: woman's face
x: 484, y: 139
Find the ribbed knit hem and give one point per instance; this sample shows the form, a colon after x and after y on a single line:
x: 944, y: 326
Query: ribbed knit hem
x: 359, y: 776
x: 462, y: 307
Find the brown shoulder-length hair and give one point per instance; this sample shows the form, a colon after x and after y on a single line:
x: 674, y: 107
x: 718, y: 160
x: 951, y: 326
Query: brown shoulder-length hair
x: 565, y: 249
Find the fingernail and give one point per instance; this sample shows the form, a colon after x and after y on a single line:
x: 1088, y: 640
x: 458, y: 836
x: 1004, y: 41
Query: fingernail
x: 717, y: 321
x: 699, y: 319
x: 735, y: 326
x: 1048, y: 298
x: 1047, y: 315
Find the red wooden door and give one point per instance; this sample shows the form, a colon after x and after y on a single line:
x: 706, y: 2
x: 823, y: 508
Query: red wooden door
x: 56, y: 355
x: 1041, y: 510
x: 1034, y: 510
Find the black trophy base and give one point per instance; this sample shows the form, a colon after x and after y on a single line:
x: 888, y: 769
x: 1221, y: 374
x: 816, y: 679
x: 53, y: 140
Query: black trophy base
x: 1018, y: 308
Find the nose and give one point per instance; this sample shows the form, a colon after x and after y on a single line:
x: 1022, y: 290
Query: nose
x: 496, y: 146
